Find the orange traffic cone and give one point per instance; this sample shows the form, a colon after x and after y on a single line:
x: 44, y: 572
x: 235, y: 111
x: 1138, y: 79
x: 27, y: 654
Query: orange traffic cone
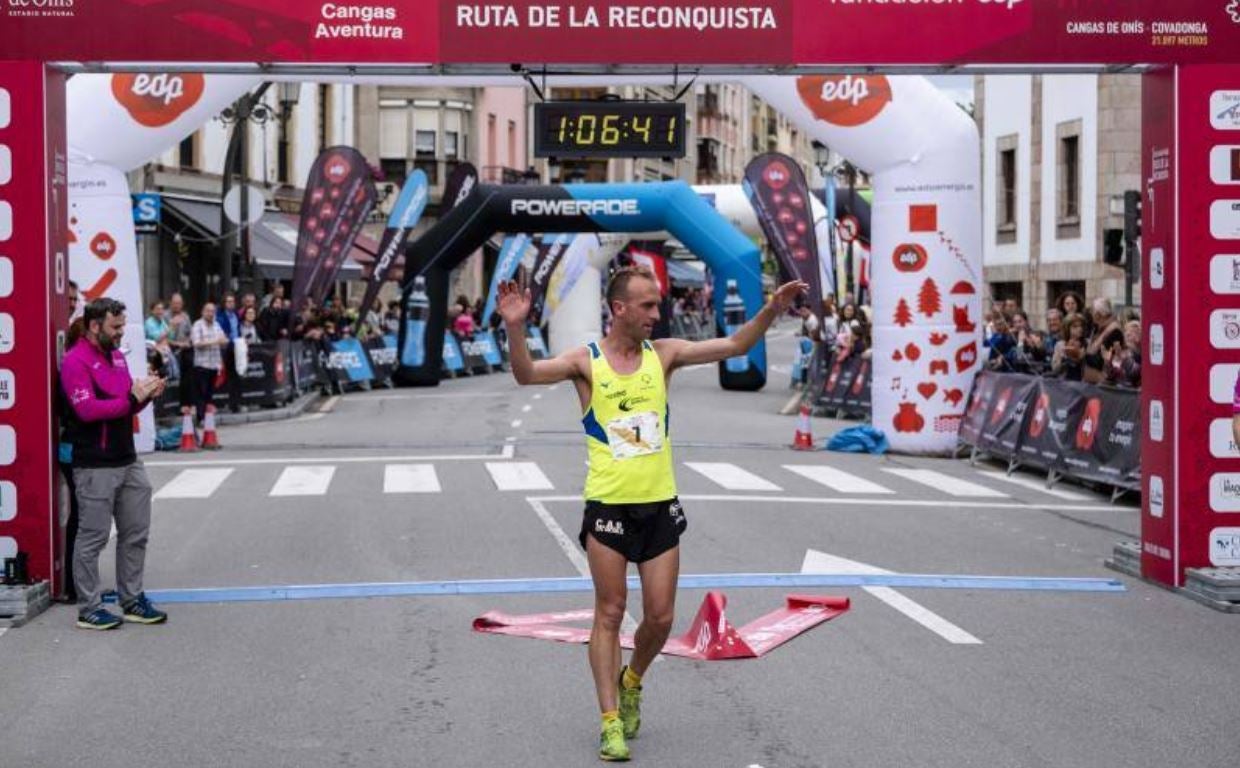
x: 804, y: 440
x: 189, y: 441
x: 210, y: 441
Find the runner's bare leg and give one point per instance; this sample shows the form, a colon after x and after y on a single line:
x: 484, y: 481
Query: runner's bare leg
x: 608, y: 569
x: 658, y: 607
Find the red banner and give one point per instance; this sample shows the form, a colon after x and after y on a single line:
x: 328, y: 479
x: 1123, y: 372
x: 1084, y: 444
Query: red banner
x: 758, y: 32
x: 711, y: 637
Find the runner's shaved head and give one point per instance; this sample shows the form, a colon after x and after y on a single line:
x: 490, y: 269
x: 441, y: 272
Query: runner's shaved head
x: 618, y: 288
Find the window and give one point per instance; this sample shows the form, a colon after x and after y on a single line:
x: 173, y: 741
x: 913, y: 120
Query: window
x: 512, y: 145
x: 325, y: 112
x: 394, y: 170
x: 492, y: 139
x: 1071, y: 190
x: 1068, y: 180
x: 1057, y: 288
x: 1001, y: 292
x: 451, y: 145
x: 424, y: 144
x: 394, y: 132
x: 1005, y: 190
x: 188, y: 152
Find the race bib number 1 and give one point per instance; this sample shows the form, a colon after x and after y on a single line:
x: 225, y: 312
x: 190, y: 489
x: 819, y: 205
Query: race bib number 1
x: 635, y: 435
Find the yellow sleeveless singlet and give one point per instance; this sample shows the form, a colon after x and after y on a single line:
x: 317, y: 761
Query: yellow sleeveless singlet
x: 627, y: 435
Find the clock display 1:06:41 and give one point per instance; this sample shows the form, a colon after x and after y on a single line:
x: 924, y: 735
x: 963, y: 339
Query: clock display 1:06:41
x: 610, y: 130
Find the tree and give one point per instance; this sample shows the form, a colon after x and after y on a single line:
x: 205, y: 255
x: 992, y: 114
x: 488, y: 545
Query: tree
x: 903, y: 315
x: 928, y: 300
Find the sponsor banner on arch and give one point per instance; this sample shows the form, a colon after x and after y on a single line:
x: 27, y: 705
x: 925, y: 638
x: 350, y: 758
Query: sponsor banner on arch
x: 758, y: 32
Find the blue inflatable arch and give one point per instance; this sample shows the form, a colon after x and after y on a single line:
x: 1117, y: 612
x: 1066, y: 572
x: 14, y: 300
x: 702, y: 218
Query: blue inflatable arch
x: 649, y: 207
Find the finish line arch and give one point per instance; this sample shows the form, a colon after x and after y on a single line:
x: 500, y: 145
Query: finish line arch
x: 671, y: 206
x: 1191, y: 105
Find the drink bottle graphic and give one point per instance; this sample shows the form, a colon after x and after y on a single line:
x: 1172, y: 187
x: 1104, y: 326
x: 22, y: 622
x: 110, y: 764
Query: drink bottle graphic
x: 733, y: 319
x: 417, y: 310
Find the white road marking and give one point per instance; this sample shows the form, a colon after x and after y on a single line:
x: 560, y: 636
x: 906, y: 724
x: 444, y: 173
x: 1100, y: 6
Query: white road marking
x: 518, y: 476
x: 731, y: 477
x: 516, y: 423
x: 1037, y: 485
x: 410, y: 478
x: 836, y: 479
x: 330, y: 404
x: 953, y: 486
x: 505, y: 453
x: 526, y: 408
x: 194, y: 483
x: 303, y: 481
x: 821, y: 562
x: 572, y: 550
x: 538, y: 396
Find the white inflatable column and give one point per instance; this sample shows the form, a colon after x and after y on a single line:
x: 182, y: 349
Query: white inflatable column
x: 922, y: 152
x: 578, y: 318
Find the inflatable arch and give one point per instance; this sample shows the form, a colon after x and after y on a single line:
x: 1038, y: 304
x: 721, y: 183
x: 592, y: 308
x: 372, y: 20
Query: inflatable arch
x: 672, y: 206
x: 921, y: 150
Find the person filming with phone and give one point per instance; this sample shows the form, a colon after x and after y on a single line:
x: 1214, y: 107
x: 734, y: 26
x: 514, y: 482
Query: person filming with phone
x: 110, y: 480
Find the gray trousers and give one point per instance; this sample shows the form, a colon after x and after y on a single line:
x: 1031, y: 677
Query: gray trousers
x: 104, y: 493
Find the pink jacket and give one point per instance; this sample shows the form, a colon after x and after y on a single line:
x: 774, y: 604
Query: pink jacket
x: 99, y: 418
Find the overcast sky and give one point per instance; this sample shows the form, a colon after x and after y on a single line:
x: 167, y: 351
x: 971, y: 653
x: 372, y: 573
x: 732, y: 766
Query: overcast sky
x: 958, y: 87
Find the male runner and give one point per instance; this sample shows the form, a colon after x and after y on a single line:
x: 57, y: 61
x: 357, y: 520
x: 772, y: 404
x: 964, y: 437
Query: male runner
x: 632, y: 513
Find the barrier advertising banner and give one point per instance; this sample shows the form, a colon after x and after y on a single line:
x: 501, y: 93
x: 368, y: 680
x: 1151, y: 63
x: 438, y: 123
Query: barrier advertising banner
x: 382, y: 353
x: 349, y: 358
x: 1079, y: 430
x: 776, y: 186
x: 339, y: 196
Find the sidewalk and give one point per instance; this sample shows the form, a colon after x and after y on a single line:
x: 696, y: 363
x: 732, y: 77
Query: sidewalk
x: 294, y: 409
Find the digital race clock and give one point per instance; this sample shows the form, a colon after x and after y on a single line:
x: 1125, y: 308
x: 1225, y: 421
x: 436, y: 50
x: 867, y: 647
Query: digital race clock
x: 609, y: 129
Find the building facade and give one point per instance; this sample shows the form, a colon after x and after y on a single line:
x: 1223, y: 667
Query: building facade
x: 1058, y: 153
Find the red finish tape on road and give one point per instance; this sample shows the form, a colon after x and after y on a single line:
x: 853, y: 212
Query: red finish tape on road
x: 711, y: 637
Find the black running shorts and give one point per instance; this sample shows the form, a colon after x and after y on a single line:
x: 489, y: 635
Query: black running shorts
x: 640, y: 532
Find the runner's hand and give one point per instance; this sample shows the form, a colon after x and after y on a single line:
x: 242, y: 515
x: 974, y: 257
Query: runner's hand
x: 514, y: 303
x: 786, y: 294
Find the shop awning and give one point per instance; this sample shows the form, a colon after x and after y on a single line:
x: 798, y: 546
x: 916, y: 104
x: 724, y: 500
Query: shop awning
x: 273, y: 240
x: 687, y: 274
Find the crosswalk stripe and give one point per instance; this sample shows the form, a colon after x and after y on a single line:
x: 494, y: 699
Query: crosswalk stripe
x: 309, y: 480
x: 952, y: 486
x: 518, y: 476
x: 1039, y: 486
x: 836, y: 479
x: 731, y: 477
x: 194, y: 483
x: 410, y: 478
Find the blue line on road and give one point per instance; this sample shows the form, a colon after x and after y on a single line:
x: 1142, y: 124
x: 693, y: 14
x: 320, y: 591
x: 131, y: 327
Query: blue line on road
x: 689, y: 581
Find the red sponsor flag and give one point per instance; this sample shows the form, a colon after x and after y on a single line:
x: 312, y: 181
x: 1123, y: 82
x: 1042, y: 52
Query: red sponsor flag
x: 923, y: 218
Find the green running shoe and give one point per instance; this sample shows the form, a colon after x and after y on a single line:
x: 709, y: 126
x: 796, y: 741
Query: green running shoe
x: 611, y: 746
x: 630, y: 709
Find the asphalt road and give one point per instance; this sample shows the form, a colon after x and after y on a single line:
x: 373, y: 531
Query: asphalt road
x: 480, y: 479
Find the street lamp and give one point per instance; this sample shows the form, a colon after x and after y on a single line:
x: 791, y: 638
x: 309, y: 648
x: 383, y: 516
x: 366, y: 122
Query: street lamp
x: 250, y: 109
x: 822, y: 161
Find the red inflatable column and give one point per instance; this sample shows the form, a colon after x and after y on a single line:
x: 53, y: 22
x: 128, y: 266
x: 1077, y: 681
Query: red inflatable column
x: 1191, y: 304
x: 33, y: 310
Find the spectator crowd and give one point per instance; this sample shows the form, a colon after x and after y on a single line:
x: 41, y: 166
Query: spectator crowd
x: 1074, y: 341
